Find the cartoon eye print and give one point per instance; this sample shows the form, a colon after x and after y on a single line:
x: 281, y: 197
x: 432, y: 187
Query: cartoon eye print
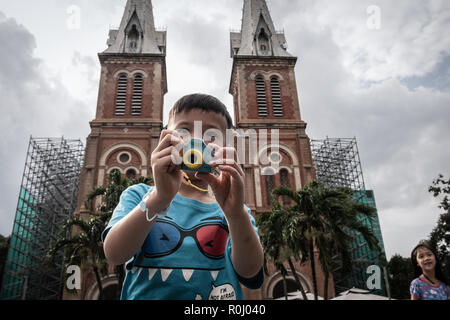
x: 166, y: 238
x: 212, y: 240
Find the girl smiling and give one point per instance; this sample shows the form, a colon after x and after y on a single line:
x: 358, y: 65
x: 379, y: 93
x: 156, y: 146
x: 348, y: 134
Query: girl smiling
x: 429, y: 282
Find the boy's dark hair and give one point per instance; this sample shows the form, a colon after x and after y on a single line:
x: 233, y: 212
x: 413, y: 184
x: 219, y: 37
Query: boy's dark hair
x: 418, y: 271
x: 201, y: 102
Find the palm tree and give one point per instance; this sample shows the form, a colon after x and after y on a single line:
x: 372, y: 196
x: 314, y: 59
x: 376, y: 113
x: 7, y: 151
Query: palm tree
x: 301, y: 228
x: 326, y: 219
x: 279, y: 230
x: 85, y: 247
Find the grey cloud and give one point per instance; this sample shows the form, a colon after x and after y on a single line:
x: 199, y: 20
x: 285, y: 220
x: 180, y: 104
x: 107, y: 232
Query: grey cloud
x: 17, y: 46
x: 199, y: 43
x: 87, y: 64
x: 32, y: 104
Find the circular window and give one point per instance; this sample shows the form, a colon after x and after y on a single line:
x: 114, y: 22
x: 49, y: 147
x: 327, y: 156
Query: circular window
x: 275, y: 157
x: 124, y: 158
x: 131, y: 174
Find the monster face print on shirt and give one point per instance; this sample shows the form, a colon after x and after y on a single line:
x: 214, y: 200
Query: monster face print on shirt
x: 186, y: 255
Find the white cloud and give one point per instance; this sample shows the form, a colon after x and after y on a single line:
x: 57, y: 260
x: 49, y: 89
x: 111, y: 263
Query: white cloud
x: 411, y: 40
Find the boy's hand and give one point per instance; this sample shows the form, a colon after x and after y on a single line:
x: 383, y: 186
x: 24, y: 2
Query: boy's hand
x: 167, y: 172
x: 229, y: 187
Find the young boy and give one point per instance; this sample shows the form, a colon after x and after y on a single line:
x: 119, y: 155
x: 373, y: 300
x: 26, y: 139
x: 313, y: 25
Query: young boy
x: 178, y: 240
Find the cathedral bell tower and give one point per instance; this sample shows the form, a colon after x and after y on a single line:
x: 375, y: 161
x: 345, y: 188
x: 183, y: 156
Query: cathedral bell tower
x: 129, y: 116
x: 129, y: 113
x: 264, y: 90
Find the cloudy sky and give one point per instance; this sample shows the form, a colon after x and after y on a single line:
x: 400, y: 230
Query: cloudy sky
x: 377, y: 70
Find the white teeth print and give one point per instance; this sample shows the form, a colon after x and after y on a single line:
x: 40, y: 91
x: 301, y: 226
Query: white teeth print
x: 187, y: 274
x: 151, y: 273
x: 133, y: 271
x: 165, y: 273
x: 214, y: 274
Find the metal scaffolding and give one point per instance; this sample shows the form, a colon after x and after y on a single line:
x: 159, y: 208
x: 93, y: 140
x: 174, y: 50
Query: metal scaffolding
x: 337, y: 164
x: 48, y: 197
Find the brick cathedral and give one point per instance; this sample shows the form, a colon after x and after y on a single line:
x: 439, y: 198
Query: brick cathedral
x: 129, y: 117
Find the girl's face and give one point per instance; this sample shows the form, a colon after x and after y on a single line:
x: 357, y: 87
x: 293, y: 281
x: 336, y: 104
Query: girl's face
x: 425, y: 259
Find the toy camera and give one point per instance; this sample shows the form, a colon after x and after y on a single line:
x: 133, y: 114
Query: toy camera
x: 196, y: 156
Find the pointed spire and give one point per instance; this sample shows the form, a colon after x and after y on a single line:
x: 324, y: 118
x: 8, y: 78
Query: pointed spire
x: 137, y: 33
x: 258, y: 36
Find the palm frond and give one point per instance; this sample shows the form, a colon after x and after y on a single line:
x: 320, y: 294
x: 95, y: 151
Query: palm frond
x: 98, y: 191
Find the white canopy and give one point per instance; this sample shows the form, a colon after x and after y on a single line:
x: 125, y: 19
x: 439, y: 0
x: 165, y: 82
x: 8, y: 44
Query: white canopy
x: 297, y: 295
x: 359, y: 294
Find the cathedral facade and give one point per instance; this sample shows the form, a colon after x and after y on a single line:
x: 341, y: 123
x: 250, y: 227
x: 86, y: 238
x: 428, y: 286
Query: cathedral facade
x: 129, y: 118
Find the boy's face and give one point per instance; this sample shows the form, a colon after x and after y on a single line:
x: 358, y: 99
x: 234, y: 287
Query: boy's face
x: 210, y: 122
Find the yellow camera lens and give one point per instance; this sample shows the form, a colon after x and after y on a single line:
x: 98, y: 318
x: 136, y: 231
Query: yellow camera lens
x: 193, y: 159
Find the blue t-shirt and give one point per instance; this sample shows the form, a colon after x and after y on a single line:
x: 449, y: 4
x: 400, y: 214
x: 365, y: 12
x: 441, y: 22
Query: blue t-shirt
x: 424, y: 291
x: 186, y: 255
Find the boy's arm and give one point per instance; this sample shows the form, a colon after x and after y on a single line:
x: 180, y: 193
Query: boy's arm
x: 247, y: 253
x: 229, y: 190
x: 127, y: 236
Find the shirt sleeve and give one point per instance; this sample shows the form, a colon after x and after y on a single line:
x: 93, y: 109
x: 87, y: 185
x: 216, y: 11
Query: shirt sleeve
x: 414, y: 289
x: 257, y: 281
x: 129, y: 199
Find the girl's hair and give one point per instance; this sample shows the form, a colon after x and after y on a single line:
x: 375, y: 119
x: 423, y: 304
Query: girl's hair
x: 418, y: 270
x: 203, y: 102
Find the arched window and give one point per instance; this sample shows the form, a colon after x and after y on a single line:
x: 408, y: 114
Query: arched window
x: 121, y: 94
x: 130, y: 174
x: 138, y: 84
x: 261, y: 96
x: 276, y: 97
x: 278, y: 289
x: 284, y: 179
